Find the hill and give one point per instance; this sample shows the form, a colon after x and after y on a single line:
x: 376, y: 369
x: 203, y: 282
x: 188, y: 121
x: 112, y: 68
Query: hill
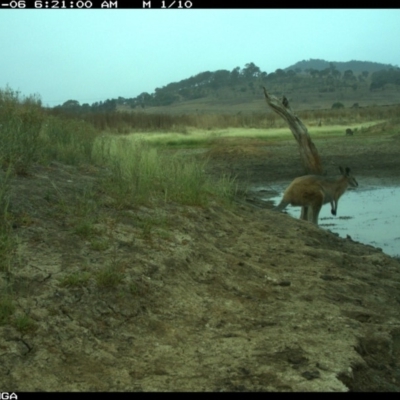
x: 355, y: 66
x: 311, y: 84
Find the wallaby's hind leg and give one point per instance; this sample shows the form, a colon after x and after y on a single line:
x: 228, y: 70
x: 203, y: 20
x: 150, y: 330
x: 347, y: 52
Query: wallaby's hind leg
x: 315, y: 214
x: 316, y: 207
x: 333, y: 207
x: 304, y: 213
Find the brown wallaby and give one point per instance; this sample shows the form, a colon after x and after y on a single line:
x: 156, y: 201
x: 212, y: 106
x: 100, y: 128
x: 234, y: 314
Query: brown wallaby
x: 313, y: 191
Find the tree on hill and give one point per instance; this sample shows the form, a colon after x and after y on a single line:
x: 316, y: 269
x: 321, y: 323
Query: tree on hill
x: 355, y: 66
x: 71, y: 104
x: 251, y: 70
x: 349, y: 76
x: 336, y: 74
x: 144, y: 99
x: 381, y: 78
x: 280, y: 73
x: 313, y: 72
x: 220, y: 78
x: 235, y: 75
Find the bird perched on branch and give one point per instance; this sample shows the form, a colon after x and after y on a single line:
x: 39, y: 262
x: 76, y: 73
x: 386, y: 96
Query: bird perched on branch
x: 285, y: 101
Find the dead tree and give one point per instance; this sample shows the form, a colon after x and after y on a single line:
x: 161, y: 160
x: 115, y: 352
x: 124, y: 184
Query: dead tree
x: 308, y: 152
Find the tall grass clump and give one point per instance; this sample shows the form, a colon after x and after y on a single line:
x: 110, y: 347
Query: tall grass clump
x: 7, y: 242
x: 8, y: 246
x: 141, y: 174
x: 20, y: 125
x: 68, y: 140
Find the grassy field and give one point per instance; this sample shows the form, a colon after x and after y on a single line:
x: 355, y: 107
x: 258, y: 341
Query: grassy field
x: 125, y: 123
x: 200, y: 138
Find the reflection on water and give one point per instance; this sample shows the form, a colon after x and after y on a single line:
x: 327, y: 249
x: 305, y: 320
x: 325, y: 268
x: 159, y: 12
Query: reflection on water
x: 369, y: 216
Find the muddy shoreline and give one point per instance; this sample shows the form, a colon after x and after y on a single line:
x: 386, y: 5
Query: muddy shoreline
x: 377, y: 162
x: 264, y: 171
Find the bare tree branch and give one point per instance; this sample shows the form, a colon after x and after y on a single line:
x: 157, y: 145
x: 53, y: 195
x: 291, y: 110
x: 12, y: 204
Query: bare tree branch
x: 308, y: 152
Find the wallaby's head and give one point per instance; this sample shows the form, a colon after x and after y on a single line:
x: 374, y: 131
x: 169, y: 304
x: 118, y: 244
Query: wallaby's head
x: 350, y: 178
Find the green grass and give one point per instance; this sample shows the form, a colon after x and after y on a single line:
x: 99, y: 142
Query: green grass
x: 6, y: 309
x: 196, y: 138
x: 24, y: 324
x: 153, y: 223
x: 21, y: 122
x: 109, y: 277
x: 83, y: 210
x: 28, y: 134
x: 67, y: 140
x: 8, y: 246
x: 99, y: 244
x: 84, y: 228
x: 77, y: 279
x: 8, y: 243
x: 141, y: 174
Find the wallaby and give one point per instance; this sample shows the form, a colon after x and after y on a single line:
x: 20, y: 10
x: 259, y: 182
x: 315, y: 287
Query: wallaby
x: 313, y: 191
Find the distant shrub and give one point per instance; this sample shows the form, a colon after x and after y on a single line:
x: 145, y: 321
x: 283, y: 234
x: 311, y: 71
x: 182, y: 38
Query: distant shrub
x: 337, y: 106
x: 349, y: 132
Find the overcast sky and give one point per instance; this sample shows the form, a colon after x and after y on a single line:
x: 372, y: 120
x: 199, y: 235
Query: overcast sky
x: 94, y: 55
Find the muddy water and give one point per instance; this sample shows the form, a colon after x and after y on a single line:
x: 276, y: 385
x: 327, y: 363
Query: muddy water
x: 370, y: 215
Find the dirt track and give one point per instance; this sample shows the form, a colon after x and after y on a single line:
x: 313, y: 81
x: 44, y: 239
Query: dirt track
x: 209, y: 299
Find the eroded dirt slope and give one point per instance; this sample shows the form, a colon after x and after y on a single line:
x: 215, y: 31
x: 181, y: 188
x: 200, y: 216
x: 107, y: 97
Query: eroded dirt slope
x: 205, y: 299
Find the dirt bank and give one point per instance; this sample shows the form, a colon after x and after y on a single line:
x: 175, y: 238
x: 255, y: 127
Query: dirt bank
x: 207, y: 299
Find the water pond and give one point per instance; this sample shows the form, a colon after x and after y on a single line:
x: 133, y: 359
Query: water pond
x: 370, y: 215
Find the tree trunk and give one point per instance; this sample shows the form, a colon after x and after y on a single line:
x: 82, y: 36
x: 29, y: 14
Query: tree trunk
x: 308, y: 152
